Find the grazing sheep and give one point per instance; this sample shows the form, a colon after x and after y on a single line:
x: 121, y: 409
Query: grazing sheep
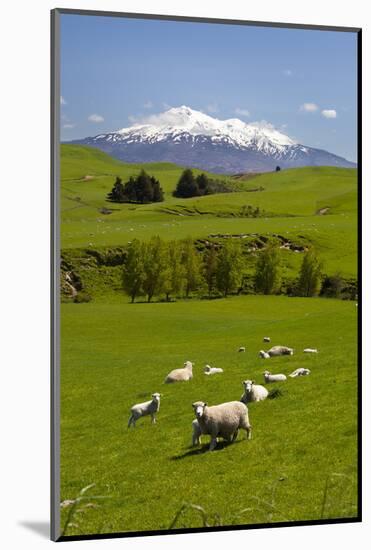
x: 144, y: 409
x: 299, y: 372
x: 253, y: 392
x: 280, y: 350
x: 211, y: 370
x: 268, y: 377
x: 266, y: 339
x: 310, y: 350
x: 180, y: 375
x: 242, y: 348
x: 222, y: 420
x: 264, y: 355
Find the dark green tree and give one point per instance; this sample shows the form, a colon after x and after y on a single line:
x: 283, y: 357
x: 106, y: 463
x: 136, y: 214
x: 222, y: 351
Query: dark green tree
x: 133, y: 273
x: 187, y: 185
x: 210, y: 267
x: 268, y: 271
x: 229, y: 268
x: 310, y: 275
x: 154, y: 267
x: 117, y: 194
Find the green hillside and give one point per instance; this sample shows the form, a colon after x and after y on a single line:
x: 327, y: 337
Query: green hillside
x: 290, y: 201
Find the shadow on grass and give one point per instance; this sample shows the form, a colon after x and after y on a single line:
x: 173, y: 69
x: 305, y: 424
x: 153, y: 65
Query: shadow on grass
x: 204, y: 449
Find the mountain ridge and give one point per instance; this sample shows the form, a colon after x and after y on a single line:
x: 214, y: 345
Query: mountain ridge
x: 187, y: 137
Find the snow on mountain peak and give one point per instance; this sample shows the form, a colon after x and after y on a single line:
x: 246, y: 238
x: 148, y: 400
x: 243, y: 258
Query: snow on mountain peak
x: 184, y: 120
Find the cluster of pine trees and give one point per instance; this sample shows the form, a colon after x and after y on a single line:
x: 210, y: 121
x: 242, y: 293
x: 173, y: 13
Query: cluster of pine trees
x: 141, y: 189
x: 190, y: 185
x: 176, y: 269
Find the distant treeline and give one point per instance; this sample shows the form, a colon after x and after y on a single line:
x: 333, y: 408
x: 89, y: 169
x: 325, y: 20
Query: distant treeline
x: 173, y: 269
x: 196, y: 186
x: 146, y: 189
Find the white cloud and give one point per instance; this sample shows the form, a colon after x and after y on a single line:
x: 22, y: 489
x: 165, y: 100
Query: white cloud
x: 63, y: 101
x: 242, y: 112
x: 69, y: 126
x: 95, y: 118
x: 287, y: 72
x: 212, y: 108
x: 148, y: 104
x: 329, y: 113
x: 309, y: 107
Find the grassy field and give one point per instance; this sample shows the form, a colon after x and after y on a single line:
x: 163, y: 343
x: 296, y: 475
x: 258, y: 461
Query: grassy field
x: 290, y: 199
x: 302, y: 461
x: 115, y: 354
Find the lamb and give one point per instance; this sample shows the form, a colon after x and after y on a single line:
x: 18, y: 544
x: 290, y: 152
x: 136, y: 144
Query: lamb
x: 222, y: 420
x: 264, y: 355
x: 268, y: 377
x: 180, y: 375
x: 310, y: 350
x: 299, y: 372
x: 144, y: 409
x: 241, y: 349
x: 253, y: 392
x: 266, y: 339
x: 211, y: 370
x: 280, y: 350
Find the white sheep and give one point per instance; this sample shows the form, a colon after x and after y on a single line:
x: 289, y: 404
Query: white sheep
x: 253, y: 392
x: 212, y: 370
x: 180, y: 375
x: 264, y: 355
x: 268, y: 377
x: 222, y: 420
x: 266, y: 339
x: 280, y: 350
x: 310, y: 350
x: 242, y: 349
x: 300, y: 372
x: 144, y: 409
x: 196, y: 433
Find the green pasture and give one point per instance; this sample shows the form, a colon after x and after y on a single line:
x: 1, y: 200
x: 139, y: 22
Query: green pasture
x: 301, y: 462
x: 290, y: 201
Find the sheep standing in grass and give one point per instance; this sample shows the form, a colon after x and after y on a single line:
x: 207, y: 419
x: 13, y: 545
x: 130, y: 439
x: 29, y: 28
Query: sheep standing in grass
x: 280, y: 350
x: 145, y: 409
x: 212, y: 370
x: 180, y: 375
x: 268, y: 377
x: 301, y: 371
x: 222, y: 420
x: 263, y: 354
x: 253, y: 392
x: 242, y: 349
x: 266, y: 339
x: 310, y: 350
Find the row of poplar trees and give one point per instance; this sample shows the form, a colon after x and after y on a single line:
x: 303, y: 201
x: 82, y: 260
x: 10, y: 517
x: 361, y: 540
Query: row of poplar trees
x: 176, y: 268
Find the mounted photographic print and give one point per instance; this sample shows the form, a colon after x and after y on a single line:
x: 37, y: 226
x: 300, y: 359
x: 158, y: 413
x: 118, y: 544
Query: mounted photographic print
x: 206, y: 192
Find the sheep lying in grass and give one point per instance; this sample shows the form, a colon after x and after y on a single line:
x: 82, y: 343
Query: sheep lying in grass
x: 268, y: 377
x: 253, y: 392
x: 299, y: 372
x: 222, y: 420
x: 241, y: 349
x: 263, y: 354
x: 212, y: 370
x: 280, y: 350
x: 310, y: 350
x: 266, y: 339
x: 144, y: 409
x: 180, y: 375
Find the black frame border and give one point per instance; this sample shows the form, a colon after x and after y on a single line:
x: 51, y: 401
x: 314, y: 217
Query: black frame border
x: 55, y: 255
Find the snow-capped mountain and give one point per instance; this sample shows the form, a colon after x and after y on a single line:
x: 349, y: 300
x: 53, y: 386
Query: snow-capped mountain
x: 191, y: 138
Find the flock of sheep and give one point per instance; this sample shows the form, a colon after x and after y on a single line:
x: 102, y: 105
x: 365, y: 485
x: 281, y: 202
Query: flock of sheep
x: 224, y: 420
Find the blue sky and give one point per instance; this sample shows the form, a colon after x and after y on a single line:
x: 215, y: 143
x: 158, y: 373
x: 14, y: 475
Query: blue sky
x: 304, y: 82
